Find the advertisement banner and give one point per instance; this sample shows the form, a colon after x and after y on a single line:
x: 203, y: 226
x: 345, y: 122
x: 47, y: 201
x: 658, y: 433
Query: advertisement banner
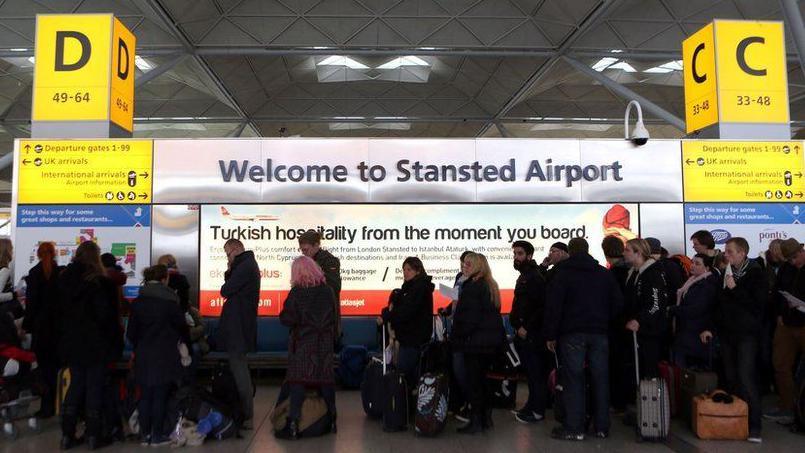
x: 372, y: 241
x: 124, y: 231
x: 758, y: 223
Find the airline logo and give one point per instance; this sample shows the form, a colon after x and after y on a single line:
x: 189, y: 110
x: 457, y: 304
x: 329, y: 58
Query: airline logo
x: 247, y: 218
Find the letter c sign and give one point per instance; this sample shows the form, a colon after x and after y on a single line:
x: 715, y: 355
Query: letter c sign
x: 696, y: 76
x: 740, y: 55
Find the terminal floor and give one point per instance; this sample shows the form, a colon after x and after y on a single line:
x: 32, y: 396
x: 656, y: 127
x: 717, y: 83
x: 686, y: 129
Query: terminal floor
x: 357, y: 434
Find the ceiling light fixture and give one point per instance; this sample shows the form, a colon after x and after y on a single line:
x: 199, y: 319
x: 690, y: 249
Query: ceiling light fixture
x: 409, y: 60
x: 142, y: 64
x: 337, y: 60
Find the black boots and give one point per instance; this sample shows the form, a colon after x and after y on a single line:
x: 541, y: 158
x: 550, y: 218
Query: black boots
x: 487, y: 422
x: 95, y: 439
x: 68, y: 442
x: 475, y: 425
x: 290, y: 431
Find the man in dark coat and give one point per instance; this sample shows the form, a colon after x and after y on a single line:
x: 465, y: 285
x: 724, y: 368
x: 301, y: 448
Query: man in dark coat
x: 556, y: 254
x: 528, y: 308
x: 237, y: 331
x: 582, y: 299
x: 738, y: 324
x: 310, y: 246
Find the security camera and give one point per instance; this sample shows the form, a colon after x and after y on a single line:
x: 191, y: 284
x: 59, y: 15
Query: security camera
x: 640, y: 134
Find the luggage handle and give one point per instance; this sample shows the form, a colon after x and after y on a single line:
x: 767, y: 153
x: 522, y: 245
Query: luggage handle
x: 636, y: 361
x: 383, y: 329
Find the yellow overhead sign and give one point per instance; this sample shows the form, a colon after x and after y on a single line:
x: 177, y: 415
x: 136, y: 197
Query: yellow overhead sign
x: 743, y: 171
x: 84, y: 69
x: 699, y: 68
x: 84, y: 171
x: 735, y: 72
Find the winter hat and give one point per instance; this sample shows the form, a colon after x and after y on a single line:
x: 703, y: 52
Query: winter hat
x: 655, y: 244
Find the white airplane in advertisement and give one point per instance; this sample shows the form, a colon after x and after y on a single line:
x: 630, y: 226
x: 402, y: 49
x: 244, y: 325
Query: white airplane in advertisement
x: 247, y: 218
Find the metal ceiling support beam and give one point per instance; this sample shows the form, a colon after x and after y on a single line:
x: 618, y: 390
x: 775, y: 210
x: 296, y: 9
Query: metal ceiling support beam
x: 158, y: 71
x: 6, y: 160
x: 504, y: 132
x: 590, y: 21
x: 160, y: 12
x: 626, y: 93
x: 237, y: 132
x: 793, y: 18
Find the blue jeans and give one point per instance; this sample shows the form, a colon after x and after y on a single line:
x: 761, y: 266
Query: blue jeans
x: 408, y: 364
x: 531, y: 356
x: 574, y: 349
x: 460, y: 375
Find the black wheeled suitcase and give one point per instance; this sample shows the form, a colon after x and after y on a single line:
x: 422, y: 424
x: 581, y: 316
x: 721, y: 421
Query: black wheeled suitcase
x: 395, y: 402
x: 372, y: 389
x: 653, y: 405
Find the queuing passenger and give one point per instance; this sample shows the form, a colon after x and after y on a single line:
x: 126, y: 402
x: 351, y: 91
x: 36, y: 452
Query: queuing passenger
x: 410, y: 313
x: 738, y: 324
x: 115, y: 273
x: 703, y: 241
x: 789, y: 338
x: 458, y: 399
x: 178, y: 283
x: 478, y: 333
x: 159, y: 334
x: 310, y: 246
x: 646, y: 299
x: 309, y: 313
x: 42, y: 322
x: 582, y: 300
x: 91, y: 337
x: 620, y: 341
x: 527, y: 315
x: 556, y: 254
x: 693, y: 311
x: 176, y: 280
x: 674, y: 274
x: 773, y: 261
x: 237, y: 330
x: 8, y: 298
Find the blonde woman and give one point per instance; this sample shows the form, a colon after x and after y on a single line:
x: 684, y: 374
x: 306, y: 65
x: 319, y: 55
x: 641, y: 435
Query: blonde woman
x: 478, y: 334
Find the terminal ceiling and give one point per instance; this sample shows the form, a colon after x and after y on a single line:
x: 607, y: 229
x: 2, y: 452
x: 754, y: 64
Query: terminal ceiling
x: 390, y: 68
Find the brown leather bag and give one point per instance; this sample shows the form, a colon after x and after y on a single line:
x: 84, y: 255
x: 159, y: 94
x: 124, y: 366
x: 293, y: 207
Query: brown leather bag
x: 720, y: 421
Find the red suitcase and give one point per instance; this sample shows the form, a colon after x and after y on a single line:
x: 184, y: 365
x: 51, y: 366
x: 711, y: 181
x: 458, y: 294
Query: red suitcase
x: 672, y: 375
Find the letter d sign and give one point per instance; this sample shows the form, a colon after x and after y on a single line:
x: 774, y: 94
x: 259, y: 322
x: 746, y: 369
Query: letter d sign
x: 84, y: 70
x: 85, y: 53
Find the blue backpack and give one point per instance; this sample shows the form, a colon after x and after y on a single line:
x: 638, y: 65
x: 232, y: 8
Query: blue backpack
x: 351, y: 363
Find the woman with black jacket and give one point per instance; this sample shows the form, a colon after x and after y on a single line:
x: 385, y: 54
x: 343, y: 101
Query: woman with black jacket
x: 738, y: 324
x: 693, y: 311
x: 42, y: 321
x: 90, y: 338
x: 157, y: 329
x: 478, y: 333
x: 646, y: 300
x: 410, y: 313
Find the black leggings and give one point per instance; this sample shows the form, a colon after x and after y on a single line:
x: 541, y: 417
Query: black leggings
x: 477, y: 365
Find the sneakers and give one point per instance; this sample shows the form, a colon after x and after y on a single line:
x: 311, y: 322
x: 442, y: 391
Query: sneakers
x: 560, y: 434
x: 601, y: 434
x: 755, y: 439
x: 145, y: 441
x: 463, y: 414
x: 529, y: 417
x: 780, y: 416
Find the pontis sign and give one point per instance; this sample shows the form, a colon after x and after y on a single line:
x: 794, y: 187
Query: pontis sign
x: 84, y: 69
x: 84, y: 171
x: 735, y: 72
